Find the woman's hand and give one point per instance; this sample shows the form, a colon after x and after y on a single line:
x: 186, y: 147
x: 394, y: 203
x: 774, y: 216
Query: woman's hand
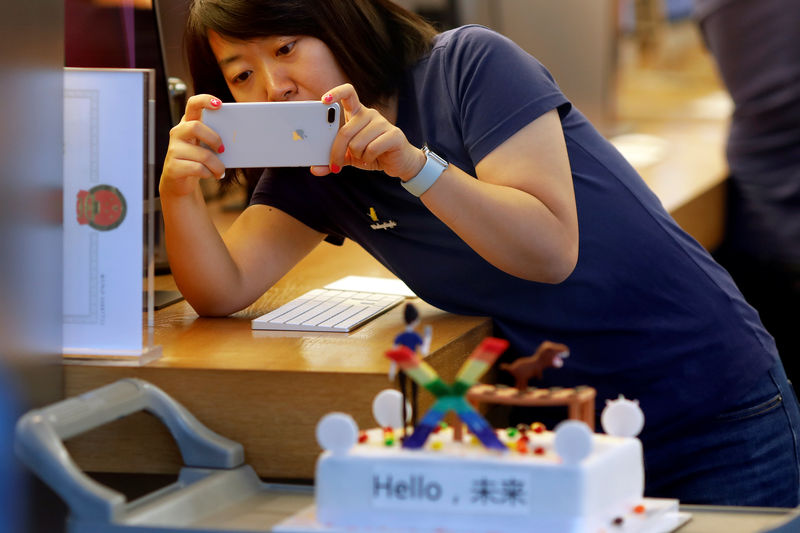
x: 368, y: 141
x: 187, y: 161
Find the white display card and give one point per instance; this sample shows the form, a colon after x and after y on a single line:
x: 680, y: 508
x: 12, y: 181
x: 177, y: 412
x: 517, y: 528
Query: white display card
x: 108, y: 181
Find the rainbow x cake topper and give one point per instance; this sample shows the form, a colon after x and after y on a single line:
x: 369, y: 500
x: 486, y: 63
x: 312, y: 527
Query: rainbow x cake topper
x: 451, y: 397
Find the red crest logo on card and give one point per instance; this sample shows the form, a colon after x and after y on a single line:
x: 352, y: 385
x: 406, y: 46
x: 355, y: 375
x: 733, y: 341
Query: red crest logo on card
x: 102, y: 207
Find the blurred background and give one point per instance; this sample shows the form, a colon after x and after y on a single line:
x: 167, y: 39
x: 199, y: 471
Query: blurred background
x: 30, y: 244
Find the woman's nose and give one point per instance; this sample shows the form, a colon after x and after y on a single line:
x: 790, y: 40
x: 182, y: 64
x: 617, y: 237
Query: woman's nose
x: 278, y: 86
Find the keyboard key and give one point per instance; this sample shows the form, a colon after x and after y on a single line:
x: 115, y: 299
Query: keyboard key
x: 284, y: 308
x: 358, y: 317
x: 309, y: 315
x: 333, y: 311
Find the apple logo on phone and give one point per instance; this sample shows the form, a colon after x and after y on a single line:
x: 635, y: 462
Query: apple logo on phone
x: 298, y: 135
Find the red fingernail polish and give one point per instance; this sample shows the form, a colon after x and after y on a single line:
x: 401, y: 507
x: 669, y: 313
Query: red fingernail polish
x: 215, y: 102
x: 221, y: 148
x: 327, y: 98
x: 335, y: 169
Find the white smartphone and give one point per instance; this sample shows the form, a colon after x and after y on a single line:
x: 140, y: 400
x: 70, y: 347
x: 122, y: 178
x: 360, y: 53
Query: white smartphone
x: 274, y: 134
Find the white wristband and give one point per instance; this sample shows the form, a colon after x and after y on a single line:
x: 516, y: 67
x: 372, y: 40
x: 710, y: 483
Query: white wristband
x: 434, y: 166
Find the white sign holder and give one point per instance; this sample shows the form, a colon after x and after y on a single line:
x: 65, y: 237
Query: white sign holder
x: 109, y: 187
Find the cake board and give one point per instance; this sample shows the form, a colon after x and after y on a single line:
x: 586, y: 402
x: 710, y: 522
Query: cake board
x: 662, y: 516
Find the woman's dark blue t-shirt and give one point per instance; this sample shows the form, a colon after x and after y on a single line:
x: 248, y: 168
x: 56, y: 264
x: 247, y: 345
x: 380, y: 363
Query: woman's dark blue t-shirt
x: 646, y: 313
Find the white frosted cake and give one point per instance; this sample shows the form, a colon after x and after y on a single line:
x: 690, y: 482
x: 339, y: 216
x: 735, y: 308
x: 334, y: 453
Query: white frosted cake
x: 461, y: 486
x: 567, y: 480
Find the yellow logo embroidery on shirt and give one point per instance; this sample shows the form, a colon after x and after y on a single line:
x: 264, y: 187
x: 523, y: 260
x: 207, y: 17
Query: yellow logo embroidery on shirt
x: 298, y: 135
x: 388, y: 224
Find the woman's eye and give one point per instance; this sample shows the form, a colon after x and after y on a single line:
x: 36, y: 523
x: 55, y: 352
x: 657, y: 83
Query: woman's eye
x: 285, y: 49
x: 242, y: 77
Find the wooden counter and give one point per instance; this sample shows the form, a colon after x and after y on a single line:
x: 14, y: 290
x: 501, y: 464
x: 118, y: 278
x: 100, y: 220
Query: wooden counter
x: 264, y: 389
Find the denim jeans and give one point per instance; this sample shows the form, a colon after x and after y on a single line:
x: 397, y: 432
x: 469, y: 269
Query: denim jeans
x: 747, y: 455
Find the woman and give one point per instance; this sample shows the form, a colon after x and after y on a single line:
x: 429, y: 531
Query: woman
x: 492, y: 231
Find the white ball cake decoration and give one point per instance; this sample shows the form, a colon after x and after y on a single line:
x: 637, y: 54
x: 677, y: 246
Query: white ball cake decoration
x: 387, y: 408
x: 337, y: 432
x: 573, y: 441
x: 622, y: 417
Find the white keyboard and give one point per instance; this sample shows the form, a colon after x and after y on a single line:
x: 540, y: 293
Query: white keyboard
x: 327, y: 310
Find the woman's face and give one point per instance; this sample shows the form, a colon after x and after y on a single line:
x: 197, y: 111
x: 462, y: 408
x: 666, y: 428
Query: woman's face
x: 276, y: 68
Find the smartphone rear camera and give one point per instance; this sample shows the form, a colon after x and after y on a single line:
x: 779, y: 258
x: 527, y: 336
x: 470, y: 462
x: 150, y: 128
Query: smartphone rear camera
x: 331, y: 115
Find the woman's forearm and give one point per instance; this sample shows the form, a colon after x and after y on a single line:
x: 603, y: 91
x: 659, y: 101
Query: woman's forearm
x: 201, y: 264
x: 511, y: 229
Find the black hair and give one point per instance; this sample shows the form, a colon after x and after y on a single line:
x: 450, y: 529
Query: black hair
x: 410, y: 313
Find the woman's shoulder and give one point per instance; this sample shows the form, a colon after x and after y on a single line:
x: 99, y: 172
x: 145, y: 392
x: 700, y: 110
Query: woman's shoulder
x: 703, y: 8
x: 468, y: 36
x: 465, y: 50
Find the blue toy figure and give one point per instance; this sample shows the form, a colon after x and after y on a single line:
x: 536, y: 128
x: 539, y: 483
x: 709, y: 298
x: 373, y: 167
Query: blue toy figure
x: 409, y: 337
x: 414, y: 342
